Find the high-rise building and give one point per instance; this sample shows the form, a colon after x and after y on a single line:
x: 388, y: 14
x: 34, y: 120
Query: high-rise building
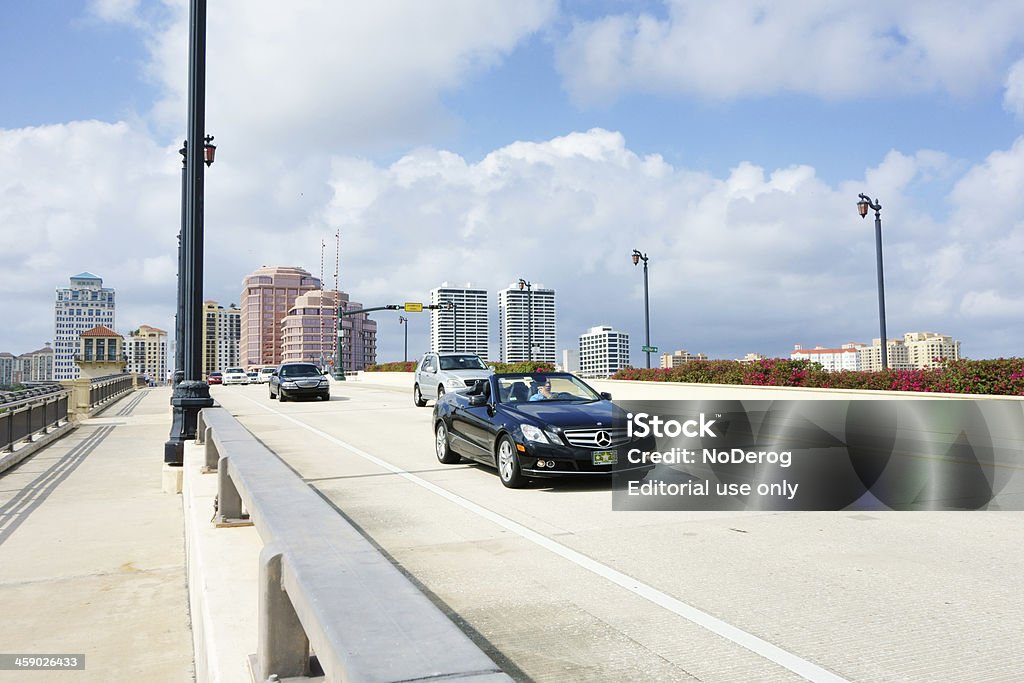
x: 310, y: 331
x: 6, y: 369
x: 222, y: 330
x: 519, y: 310
x: 603, y: 351
x: 37, y: 365
x: 463, y: 326
x: 268, y: 293
x: 146, y: 349
x: 928, y: 349
x: 81, y: 306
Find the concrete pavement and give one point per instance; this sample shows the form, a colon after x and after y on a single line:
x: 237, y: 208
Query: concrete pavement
x: 92, y: 558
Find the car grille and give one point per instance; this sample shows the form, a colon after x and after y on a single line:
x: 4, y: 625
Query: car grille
x: 588, y: 438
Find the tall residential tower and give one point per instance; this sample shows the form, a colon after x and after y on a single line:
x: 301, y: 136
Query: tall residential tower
x: 81, y: 306
x: 462, y: 327
x: 519, y: 310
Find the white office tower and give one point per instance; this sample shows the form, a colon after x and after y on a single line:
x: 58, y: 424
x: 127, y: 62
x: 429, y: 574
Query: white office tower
x: 81, y: 306
x: 461, y: 325
x: 527, y: 315
x: 603, y: 352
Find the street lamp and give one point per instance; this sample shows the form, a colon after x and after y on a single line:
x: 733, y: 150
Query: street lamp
x: 209, y: 152
x: 863, y: 205
x: 339, y: 360
x: 192, y: 393
x: 402, y: 320
x: 529, y: 315
x: 455, y: 324
x: 637, y: 258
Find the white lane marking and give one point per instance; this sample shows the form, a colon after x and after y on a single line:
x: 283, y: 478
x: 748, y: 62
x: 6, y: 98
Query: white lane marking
x: 798, y: 665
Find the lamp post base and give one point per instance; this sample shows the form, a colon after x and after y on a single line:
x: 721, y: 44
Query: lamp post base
x: 338, y: 375
x: 190, y: 396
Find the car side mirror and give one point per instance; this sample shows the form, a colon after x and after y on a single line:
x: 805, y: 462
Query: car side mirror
x: 606, y: 396
x: 477, y: 400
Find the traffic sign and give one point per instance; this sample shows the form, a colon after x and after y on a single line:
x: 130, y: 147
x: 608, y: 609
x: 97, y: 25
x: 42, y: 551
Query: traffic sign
x: 413, y: 307
x: 650, y: 349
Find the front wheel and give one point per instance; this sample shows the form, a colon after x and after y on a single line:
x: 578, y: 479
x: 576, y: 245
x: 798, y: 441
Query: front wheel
x: 440, y: 391
x: 280, y: 395
x: 417, y: 397
x: 444, y: 452
x: 508, y: 464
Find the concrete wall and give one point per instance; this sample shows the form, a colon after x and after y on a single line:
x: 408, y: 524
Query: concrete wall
x: 635, y: 390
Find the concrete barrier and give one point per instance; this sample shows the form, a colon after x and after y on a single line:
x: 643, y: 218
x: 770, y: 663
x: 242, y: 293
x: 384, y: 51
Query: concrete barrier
x: 322, y: 584
x: 628, y: 390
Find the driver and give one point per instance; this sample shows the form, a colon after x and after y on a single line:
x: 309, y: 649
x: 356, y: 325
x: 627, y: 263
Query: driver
x: 543, y: 390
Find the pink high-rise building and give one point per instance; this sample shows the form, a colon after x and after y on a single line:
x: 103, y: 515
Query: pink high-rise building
x: 309, y: 331
x: 268, y: 293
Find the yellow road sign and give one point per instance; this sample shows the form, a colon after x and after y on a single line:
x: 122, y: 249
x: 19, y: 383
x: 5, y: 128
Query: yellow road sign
x: 413, y: 307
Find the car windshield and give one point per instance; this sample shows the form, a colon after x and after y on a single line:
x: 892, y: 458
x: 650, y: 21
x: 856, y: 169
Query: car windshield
x: 268, y: 371
x: 239, y: 370
x: 299, y: 371
x: 523, y: 388
x: 467, y: 362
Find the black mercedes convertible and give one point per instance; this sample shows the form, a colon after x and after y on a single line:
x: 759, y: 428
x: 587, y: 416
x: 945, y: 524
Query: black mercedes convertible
x: 536, y: 424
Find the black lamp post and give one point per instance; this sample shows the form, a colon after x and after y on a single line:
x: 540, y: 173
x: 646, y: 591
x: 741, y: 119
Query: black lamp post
x: 529, y: 315
x: 455, y: 324
x: 192, y: 393
x: 402, y: 320
x: 637, y: 258
x: 863, y: 205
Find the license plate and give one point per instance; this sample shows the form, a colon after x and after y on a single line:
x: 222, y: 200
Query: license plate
x: 605, y: 457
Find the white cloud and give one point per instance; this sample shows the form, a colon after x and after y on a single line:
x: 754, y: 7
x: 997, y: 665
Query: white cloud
x: 319, y: 75
x: 835, y: 50
x: 1013, y: 99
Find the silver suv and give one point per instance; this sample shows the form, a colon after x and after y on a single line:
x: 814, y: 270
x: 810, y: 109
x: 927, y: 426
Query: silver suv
x: 441, y: 372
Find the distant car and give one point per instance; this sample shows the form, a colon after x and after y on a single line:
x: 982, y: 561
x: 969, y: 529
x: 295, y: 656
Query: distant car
x: 535, y: 425
x: 299, y: 380
x: 235, y: 376
x: 437, y: 373
x: 263, y: 375
x: 253, y: 376
x: 215, y: 378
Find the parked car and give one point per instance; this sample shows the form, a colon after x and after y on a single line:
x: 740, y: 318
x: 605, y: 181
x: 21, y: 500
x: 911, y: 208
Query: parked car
x: 253, y: 376
x: 437, y: 373
x: 236, y: 376
x: 299, y: 380
x: 505, y: 422
x: 215, y: 378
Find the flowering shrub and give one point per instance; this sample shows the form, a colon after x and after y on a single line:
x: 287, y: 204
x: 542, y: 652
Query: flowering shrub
x: 397, y: 366
x: 1002, y: 376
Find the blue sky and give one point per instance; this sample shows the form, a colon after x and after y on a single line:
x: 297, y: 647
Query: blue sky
x: 487, y: 141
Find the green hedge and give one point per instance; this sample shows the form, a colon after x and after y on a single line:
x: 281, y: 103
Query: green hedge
x: 1002, y: 376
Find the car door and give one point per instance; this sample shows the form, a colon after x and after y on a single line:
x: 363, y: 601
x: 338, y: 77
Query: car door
x: 428, y: 377
x: 476, y: 423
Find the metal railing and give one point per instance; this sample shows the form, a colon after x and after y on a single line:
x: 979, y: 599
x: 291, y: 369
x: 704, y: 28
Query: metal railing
x: 30, y: 412
x: 104, y: 389
x: 324, y: 585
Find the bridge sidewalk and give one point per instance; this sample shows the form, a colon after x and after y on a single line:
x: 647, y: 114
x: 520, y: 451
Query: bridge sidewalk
x: 92, y: 557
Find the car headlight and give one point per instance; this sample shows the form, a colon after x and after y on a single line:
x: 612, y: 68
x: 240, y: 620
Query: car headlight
x: 289, y: 385
x: 324, y: 383
x: 454, y: 382
x: 532, y: 433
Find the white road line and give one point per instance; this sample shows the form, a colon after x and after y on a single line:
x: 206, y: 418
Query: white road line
x: 799, y: 666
